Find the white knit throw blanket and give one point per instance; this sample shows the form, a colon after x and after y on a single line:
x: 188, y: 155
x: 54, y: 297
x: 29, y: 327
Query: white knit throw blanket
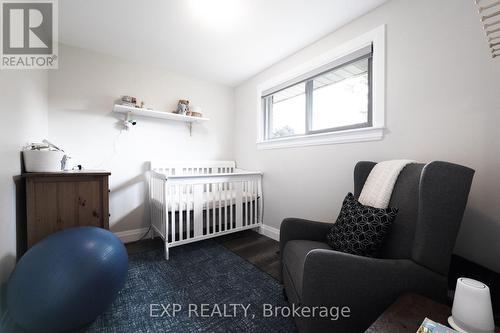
x: 378, y: 187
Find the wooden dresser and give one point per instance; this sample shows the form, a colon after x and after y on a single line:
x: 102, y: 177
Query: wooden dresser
x: 60, y: 200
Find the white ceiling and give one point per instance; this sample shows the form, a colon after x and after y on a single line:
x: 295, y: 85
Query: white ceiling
x: 225, y: 41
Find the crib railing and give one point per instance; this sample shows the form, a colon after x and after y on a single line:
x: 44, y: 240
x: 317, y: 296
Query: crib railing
x: 190, y: 207
x: 193, y: 168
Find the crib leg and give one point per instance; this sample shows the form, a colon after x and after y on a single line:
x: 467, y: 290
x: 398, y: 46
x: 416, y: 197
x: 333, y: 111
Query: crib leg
x: 166, y: 251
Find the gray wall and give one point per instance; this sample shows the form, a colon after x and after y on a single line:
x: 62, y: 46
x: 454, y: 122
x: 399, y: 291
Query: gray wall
x: 23, y: 119
x: 442, y: 103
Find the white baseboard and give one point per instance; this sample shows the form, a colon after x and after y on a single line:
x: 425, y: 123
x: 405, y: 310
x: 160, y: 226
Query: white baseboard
x: 129, y: 236
x: 270, y: 232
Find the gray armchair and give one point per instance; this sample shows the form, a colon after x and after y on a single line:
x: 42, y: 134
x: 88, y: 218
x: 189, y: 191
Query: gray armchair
x: 415, y: 255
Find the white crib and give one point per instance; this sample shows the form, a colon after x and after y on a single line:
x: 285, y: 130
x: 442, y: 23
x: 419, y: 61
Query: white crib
x: 191, y: 201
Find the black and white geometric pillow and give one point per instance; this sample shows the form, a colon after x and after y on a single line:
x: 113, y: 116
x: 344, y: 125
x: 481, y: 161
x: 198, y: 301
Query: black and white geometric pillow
x: 360, y: 229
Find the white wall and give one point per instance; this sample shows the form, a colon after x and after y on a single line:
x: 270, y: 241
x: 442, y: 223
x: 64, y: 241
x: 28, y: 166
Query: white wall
x: 81, y: 96
x: 23, y: 119
x: 442, y: 103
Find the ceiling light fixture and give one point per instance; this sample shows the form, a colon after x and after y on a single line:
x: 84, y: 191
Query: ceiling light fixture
x: 217, y: 13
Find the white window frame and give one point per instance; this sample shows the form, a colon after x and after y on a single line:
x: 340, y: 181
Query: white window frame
x: 376, y: 38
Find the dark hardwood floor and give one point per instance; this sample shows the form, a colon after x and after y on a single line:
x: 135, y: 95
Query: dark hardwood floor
x: 257, y: 249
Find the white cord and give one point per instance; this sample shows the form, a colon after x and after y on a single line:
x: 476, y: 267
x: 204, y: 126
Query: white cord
x: 115, y: 151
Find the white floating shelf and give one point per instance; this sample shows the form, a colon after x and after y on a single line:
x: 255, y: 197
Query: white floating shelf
x: 156, y: 114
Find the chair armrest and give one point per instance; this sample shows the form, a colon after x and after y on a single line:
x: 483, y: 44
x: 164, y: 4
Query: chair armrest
x: 295, y: 228
x: 366, y: 285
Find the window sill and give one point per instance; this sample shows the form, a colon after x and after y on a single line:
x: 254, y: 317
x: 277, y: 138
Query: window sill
x: 354, y: 135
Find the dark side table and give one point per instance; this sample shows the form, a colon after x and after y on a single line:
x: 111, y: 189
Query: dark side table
x: 408, y: 312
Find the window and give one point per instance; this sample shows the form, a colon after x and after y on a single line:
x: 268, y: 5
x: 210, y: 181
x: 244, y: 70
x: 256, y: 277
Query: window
x: 334, y: 97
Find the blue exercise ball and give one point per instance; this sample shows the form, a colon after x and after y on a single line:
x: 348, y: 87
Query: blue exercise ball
x: 66, y: 280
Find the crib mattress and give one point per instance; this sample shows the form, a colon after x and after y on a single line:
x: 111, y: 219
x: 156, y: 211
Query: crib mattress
x: 209, y: 200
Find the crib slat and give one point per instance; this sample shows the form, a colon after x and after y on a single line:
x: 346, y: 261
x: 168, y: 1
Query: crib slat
x: 255, y: 207
x: 249, y: 205
x: 242, y: 203
x: 250, y: 183
x: 250, y: 201
x: 154, y: 203
x: 173, y: 212
x: 231, y: 197
x: 252, y: 213
x: 152, y: 206
x: 157, y: 201
x: 198, y: 210
x: 254, y: 202
x: 222, y: 207
x: 163, y: 206
x: 225, y: 190
x: 216, y: 198
x: 250, y: 195
x: 245, y: 193
x: 189, y: 189
x: 181, y: 210
x: 159, y: 206
x: 238, y: 188
x: 166, y: 210
x: 213, y: 208
x: 261, y: 200
x: 219, y: 187
x: 171, y: 190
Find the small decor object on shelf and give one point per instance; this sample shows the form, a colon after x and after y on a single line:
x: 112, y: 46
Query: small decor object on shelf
x: 472, y: 311
x: 195, y: 112
x: 429, y: 326
x: 182, y: 107
x: 129, y: 101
